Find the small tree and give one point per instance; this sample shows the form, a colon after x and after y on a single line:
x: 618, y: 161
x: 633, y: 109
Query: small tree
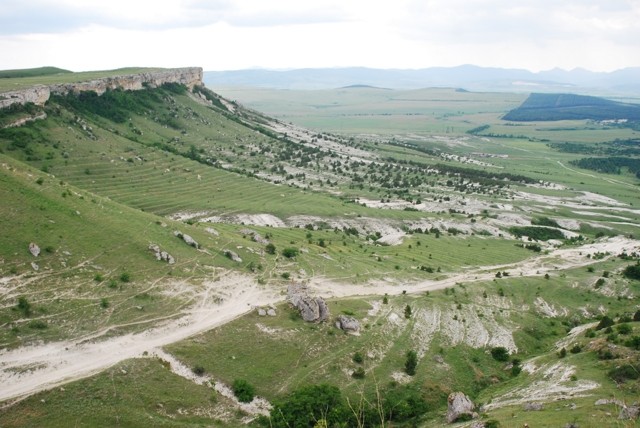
x: 24, y: 306
x: 270, y: 248
x: 407, y: 312
x: 500, y: 353
x: 605, y: 322
x: 290, y: 252
x: 411, y: 363
x: 243, y: 390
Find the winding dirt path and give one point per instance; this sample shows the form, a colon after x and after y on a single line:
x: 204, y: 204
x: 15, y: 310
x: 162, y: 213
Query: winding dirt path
x: 31, y: 369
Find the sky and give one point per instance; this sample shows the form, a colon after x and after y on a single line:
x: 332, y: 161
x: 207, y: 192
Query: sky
x: 81, y: 35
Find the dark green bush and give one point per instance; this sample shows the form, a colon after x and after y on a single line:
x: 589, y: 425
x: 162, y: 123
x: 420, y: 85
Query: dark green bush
x: 243, y: 390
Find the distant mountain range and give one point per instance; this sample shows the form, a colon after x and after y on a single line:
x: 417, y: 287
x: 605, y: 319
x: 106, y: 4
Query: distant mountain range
x: 620, y: 82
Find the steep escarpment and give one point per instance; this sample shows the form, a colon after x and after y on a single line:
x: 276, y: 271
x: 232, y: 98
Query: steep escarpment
x: 40, y: 94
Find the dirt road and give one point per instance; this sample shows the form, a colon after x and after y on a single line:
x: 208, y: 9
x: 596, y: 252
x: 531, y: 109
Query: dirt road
x: 27, y: 370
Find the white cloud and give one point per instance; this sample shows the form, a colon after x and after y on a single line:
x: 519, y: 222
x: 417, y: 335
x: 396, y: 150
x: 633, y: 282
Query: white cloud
x: 228, y: 34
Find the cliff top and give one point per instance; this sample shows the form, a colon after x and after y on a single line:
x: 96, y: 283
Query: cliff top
x: 17, y: 83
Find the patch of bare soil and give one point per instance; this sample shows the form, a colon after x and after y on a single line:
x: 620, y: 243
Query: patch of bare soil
x: 553, y: 383
x: 62, y: 362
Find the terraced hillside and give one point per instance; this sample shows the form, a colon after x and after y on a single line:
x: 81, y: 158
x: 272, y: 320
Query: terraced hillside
x: 147, y: 233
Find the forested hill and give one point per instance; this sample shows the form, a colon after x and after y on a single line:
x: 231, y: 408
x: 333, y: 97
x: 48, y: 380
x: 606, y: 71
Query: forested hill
x: 546, y: 107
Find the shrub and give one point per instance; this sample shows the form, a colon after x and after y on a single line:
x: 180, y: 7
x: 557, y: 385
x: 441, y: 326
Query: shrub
x: 624, y: 329
x: 98, y: 278
x: 633, y: 343
x: 290, y: 252
x: 636, y: 316
x: 632, y: 271
x: 24, y: 306
x: 270, y: 248
x: 576, y: 349
x: 407, y: 311
x: 500, y: 353
x: 358, y: 373
x: 411, y: 363
x: 623, y: 373
x: 38, y: 324
x: 243, y: 390
x: 104, y: 303
x: 306, y: 406
x: 125, y: 277
x: 604, y: 323
x: 358, y: 357
x: 199, y: 371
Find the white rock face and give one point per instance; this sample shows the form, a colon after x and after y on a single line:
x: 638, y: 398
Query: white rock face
x: 39, y: 94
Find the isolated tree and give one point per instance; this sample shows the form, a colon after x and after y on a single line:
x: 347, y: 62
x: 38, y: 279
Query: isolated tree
x: 407, y: 312
x: 411, y: 363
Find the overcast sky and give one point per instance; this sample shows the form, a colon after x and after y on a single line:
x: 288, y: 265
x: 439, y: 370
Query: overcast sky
x: 599, y: 35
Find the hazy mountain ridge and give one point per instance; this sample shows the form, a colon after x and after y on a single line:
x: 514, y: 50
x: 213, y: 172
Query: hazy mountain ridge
x: 624, y: 81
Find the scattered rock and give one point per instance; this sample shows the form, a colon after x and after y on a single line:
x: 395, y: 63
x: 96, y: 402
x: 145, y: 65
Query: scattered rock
x: 35, y: 266
x: 262, y: 312
x: 349, y: 324
x: 438, y: 359
x: 161, y: 255
x: 34, y: 249
x: 212, y: 231
x: 187, y: 239
x: 271, y: 312
x: 605, y: 401
x: 312, y: 309
x: 533, y: 407
x: 232, y: 255
x: 459, y: 406
x: 478, y: 424
x: 630, y: 413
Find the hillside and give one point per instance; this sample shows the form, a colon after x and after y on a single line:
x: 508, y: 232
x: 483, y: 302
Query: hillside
x: 152, y: 230
x: 549, y: 107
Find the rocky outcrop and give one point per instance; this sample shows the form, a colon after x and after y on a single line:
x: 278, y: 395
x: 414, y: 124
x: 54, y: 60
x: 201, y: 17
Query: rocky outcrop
x: 630, y: 413
x: 189, y: 77
x: 34, y: 249
x: 39, y: 94
x: 161, y: 255
x: 459, y: 406
x: 187, y: 239
x: 312, y: 309
x: 232, y: 256
x: 348, y: 324
x: 532, y: 407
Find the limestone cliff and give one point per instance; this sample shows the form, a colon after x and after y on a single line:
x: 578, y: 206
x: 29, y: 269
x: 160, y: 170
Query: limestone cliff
x: 39, y: 94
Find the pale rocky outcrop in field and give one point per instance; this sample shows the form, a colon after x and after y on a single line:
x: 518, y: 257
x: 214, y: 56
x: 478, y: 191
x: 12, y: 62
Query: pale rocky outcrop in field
x: 161, y: 255
x: 349, y: 324
x: 458, y: 404
x: 34, y: 249
x: 187, y: 239
x: 312, y: 309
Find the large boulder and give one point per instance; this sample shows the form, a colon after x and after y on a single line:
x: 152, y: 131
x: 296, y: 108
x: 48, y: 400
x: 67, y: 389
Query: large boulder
x: 459, y: 406
x: 349, y: 324
x: 187, y: 239
x: 312, y: 309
